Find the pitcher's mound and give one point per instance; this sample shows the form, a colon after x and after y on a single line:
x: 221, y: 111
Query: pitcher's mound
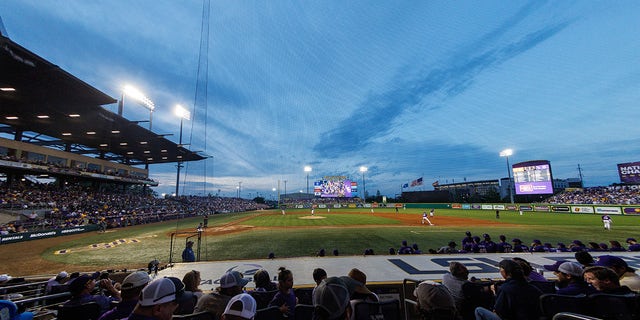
x: 312, y: 217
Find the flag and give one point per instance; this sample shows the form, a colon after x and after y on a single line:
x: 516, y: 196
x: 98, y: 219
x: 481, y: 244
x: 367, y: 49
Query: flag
x: 406, y: 185
x: 417, y: 182
x: 435, y: 183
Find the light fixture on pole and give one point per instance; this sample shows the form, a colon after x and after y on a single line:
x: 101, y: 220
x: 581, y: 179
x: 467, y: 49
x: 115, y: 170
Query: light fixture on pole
x: 307, y: 169
x: 364, y: 169
x: 140, y: 97
x: 239, y: 188
x: 506, y: 153
x: 183, y: 114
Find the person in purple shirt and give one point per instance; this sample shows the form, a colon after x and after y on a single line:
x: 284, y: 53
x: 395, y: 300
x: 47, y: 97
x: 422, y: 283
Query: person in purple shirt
x: 285, y: 298
x: 82, y: 286
x: 633, y: 245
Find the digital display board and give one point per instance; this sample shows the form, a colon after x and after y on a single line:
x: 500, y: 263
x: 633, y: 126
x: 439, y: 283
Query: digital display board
x: 533, y: 177
x: 335, y: 187
x: 629, y: 172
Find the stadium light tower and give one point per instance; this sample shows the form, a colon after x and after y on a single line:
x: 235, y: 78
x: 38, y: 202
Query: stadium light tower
x: 307, y: 169
x: 506, y: 153
x: 364, y: 169
x: 183, y: 114
x: 140, y: 97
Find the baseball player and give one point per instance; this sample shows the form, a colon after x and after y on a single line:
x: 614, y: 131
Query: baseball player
x: 425, y: 218
x: 606, y: 220
x: 432, y: 212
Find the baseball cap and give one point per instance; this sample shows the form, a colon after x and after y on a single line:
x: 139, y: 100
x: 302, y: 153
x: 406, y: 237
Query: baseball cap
x: 631, y: 239
x: 554, y: 267
x: 571, y: 268
x: 76, y: 286
x: 516, y: 240
x: 432, y: 295
x: 5, y: 277
x: 135, y: 280
x: 332, y: 297
x: 9, y: 311
x: 242, y: 305
x: 232, y: 279
x: 164, y: 290
x: 611, y: 261
x: 62, y: 275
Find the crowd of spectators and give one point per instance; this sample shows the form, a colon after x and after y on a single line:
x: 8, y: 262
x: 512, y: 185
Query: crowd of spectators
x: 622, y: 195
x: 76, y: 206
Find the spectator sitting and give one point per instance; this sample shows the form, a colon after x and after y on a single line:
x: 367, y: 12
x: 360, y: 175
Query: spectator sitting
x: 516, y: 298
x: 615, y: 246
x: 319, y: 274
x: 570, y: 281
x: 285, y: 298
x: 55, y: 284
x: 263, y: 282
x: 331, y: 300
x: 527, y: 270
x: 518, y: 246
x: 240, y: 307
x: 450, y: 248
x: 363, y: 293
x: 605, y: 280
x: 584, y: 258
x: 562, y: 247
x: 503, y: 246
x: 231, y: 284
x: 536, y: 246
x: 132, y: 286
x: 191, y: 282
x: 82, y: 286
x: 435, y: 301
x: 9, y: 310
x: 633, y: 244
x: 159, y: 299
x: 453, y: 280
x: 627, y: 275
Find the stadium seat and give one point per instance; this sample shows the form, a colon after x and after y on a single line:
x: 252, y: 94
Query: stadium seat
x: 263, y: 298
x: 304, y: 295
x: 304, y: 311
x: 552, y: 304
x: 88, y: 311
x: 545, y: 286
x: 367, y: 310
x: 270, y: 313
x: 613, y: 306
x: 202, y: 315
x: 476, y: 294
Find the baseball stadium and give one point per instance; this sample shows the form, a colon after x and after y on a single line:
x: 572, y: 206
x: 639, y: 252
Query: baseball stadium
x: 97, y: 216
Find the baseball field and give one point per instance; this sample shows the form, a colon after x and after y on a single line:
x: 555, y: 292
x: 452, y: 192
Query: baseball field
x: 253, y: 235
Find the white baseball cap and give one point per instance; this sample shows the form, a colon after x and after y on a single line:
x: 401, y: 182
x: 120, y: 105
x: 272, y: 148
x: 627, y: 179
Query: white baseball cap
x: 164, y: 290
x: 135, y: 280
x: 242, y: 305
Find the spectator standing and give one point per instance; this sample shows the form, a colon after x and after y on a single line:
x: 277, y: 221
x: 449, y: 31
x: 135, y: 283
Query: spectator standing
x: 231, y: 284
x: 515, y: 299
x: 187, y: 254
x: 285, y: 298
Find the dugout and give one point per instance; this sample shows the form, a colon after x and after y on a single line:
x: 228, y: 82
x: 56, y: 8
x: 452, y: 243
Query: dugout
x: 435, y: 196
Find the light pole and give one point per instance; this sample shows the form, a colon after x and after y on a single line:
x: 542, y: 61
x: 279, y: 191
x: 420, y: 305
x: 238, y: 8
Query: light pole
x: 273, y: 194
x: 507, y: 153
x: 307, y: 169
x: 364, y: 169
x: 137, y: 95
x: 183, y: 114
x: 239, y: 188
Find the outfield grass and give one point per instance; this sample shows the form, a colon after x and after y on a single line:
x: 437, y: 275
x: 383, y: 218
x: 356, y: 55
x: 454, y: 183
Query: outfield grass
x: 290, y: 236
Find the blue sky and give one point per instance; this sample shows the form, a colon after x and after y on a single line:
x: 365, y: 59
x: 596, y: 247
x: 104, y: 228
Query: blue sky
x: 409, y: 89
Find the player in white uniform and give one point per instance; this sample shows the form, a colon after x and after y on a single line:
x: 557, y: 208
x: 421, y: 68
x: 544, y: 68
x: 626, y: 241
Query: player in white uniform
x: 313, y: 211
x: 606, y: 220
x: 425, y: 218
x: 432, y: 212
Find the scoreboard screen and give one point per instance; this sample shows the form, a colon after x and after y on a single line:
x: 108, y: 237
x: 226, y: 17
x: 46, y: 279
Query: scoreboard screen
x: 533, y: 177
x: 335, y: 187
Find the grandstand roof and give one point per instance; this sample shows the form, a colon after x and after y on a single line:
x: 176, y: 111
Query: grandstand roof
x: 42, y: 104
